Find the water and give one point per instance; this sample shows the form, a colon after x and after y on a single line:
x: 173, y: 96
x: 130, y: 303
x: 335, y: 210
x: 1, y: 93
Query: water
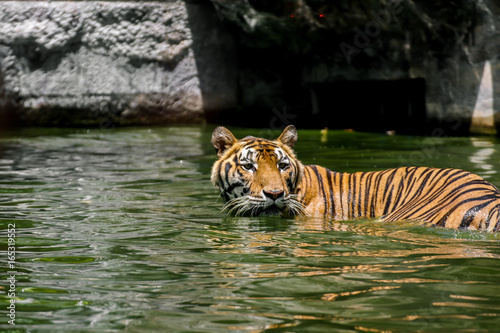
x: 121, y: 231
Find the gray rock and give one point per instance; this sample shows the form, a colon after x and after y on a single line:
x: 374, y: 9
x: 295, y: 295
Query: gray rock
x: 79, y: 63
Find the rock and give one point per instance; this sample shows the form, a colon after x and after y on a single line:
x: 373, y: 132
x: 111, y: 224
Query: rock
x: 84, y: 63
x: 387, y: 65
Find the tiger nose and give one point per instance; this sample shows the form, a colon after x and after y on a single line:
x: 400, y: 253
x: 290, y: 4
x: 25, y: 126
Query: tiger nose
x: 274, y: 194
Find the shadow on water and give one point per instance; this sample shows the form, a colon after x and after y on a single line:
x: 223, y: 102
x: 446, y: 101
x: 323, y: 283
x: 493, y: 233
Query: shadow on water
x: 121, y: 230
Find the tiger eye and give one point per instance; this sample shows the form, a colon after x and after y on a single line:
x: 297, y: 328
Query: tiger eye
x: 247, y: 166
x: 283, y: 165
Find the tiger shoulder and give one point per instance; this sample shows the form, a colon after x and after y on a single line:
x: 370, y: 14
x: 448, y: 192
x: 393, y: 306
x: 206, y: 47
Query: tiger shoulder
x: 257, y: 177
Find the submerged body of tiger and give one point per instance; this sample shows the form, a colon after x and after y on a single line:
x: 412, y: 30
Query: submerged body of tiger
x: 263, y: 177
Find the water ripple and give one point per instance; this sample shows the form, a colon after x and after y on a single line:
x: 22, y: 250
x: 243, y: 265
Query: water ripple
x: 121, y: 230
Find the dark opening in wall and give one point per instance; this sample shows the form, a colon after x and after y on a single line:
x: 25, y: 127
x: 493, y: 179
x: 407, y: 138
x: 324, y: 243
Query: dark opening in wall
x: 371, y: 106
x: 374, y: 106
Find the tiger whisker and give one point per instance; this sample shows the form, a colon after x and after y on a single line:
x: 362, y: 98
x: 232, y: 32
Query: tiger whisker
x: 235, y: 204
x: 220, y: 196
x: 252, y: 206
x: 241, y: 210
x: 295, y: 206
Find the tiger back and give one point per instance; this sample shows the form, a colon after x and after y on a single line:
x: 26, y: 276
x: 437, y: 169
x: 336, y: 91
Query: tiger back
x: 262, y: 177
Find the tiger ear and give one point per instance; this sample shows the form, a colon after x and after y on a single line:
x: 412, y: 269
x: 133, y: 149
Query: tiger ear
x: 222, y: 140
x: 288, y: 136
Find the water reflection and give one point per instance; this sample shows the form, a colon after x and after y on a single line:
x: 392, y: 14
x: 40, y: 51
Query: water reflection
x: 483, y: 155
x: 413, y: 251
x: 333, y: 273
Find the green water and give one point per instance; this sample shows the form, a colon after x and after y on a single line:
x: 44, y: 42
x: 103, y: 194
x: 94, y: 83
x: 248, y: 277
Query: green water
x: 121, y: 231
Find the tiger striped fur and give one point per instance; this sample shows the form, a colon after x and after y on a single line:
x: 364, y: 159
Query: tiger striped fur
x: 263, y: 177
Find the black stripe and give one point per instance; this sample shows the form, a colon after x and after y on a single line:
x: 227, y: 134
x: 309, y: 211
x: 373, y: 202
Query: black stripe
x: 233, y: 186
x: 436, y: 207
x: 497, y: 225
x: 387, y: 204
x: 471, y: 214
x: 378, y: 176
x: 352, y: 188
x: 307, y: 176
x: 443, y: 220
x: 368, y: 210
x: 417, y: 200
x: 387, y: 193
x: 320, y: 182
x: 359, y: 194
x: 330, y: 175
x: 295, y: 172
x: 227, y: 168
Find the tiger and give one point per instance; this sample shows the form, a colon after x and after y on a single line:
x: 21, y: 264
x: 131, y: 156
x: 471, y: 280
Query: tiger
x: 261, y: 177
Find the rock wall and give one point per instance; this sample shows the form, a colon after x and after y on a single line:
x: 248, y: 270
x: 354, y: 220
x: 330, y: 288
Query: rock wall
x: 98, y: 63
x: 405, y: 65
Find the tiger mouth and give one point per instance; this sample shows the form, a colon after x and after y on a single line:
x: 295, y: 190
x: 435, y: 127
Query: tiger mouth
x: 272, y: 210
x: 247, y: 206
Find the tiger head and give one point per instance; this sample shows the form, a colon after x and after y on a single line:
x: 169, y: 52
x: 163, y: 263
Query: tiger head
x: 257, y: 176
